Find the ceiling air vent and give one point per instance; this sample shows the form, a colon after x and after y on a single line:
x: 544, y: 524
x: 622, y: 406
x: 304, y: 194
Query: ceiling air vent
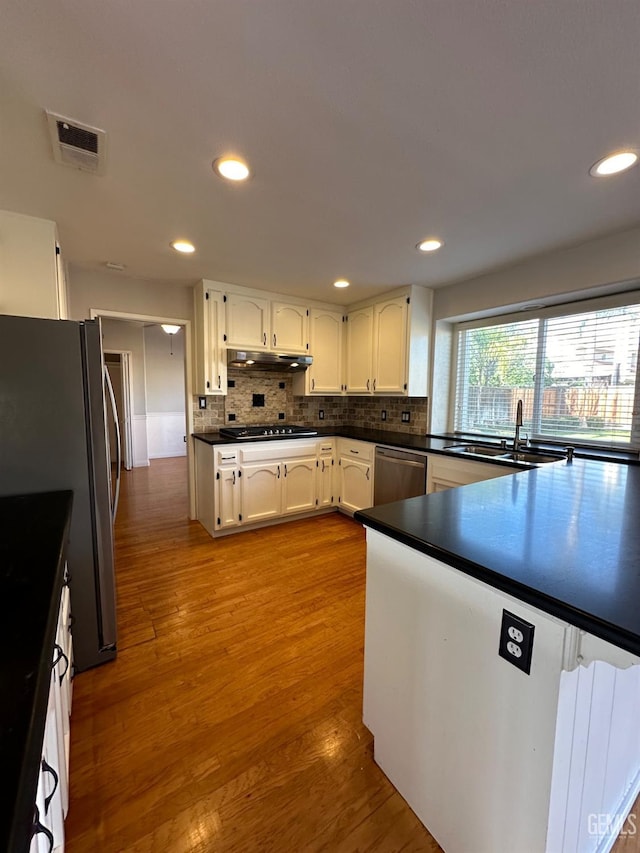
x: 78, y: 145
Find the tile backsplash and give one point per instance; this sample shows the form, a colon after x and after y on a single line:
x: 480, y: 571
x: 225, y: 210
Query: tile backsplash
x: 247, y: 385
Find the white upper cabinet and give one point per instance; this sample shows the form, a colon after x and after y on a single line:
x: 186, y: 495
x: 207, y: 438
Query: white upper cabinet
x: 32, y: 280
x: 325, y: 345
x: 359, y: 379
x: 388, y: 344
x: 210, y: 365
x: 289, y: 327
x: 247, y: 319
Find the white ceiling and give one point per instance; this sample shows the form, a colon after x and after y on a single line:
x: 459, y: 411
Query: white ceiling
x: 369, y: 125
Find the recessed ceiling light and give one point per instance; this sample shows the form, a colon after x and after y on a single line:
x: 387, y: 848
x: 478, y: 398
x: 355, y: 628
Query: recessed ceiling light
x: 341, y: 282
x: 231, y: 168
x: 429, y: 245
x: 183, y: 246
x: 114, y: 265
x: 613, y: 163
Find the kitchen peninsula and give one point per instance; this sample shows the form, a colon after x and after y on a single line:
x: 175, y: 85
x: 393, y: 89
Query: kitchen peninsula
x: 491, y: 757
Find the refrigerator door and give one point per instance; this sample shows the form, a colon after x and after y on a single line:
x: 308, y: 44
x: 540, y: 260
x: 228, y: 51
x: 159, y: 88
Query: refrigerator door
x: 52, y: 437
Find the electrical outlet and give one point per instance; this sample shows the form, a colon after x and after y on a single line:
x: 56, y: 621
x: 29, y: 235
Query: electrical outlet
x: 202, y: 402
x: 383, y: 415
x: 405, y: 417
x: 320, y: 414
x: 516, y: 641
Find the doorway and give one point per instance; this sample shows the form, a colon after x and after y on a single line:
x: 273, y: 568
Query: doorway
x: 137, y: 422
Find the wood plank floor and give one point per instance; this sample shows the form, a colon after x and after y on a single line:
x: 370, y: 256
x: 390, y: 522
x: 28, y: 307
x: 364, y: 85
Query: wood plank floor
x: 231, y: 719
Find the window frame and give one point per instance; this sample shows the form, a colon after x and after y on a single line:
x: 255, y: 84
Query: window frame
x: 597, y: 303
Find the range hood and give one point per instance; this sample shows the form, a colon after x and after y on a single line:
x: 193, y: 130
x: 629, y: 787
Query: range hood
x: 268, y: 360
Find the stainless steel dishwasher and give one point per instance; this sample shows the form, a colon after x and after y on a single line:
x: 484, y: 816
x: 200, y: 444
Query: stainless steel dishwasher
x: 399, y: 474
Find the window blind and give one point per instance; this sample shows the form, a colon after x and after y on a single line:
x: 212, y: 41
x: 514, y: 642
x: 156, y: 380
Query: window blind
x: 576, y: 375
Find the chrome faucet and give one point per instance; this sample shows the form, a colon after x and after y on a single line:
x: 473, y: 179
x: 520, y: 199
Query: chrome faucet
x: 517, y: 443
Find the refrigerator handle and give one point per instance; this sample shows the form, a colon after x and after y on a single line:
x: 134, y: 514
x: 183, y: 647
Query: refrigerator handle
x: 114, y: 410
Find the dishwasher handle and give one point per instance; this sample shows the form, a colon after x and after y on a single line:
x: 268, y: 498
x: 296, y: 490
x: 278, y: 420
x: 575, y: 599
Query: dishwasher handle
x: 400, y: 458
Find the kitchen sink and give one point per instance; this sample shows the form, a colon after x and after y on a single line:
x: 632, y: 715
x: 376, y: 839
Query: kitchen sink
x: 533, y: 458
x: 503, y: 453
x: 478, y: 450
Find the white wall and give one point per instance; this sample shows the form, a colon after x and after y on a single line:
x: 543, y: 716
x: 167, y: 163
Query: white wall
x: 165, y: 372
x: 113, y: 291
x: 166, y: 425
x: 593, y: 267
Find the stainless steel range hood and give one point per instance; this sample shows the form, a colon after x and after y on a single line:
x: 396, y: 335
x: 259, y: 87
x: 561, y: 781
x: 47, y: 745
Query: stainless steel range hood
x: 268, y: 360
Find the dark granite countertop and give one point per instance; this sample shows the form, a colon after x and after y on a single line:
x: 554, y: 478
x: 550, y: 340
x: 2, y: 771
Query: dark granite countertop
x: 33, y: 534
x: 565, y: 538
x: 430, y: 444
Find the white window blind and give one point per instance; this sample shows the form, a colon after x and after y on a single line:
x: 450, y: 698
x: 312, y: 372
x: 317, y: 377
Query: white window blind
x: 576, y: 375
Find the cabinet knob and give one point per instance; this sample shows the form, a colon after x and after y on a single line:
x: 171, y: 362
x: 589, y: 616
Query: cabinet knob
x: 367, y: 385
x: 313, y: 384
x: 274, y: 339
x: 264, y: 338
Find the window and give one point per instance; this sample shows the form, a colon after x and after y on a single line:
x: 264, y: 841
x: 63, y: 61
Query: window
x: 575, y: 373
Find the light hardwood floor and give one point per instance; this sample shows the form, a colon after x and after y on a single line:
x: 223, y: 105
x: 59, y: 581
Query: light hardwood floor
x: 231, y: 719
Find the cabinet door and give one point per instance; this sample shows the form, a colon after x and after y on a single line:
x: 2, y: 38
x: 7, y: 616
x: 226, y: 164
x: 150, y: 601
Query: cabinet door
x: 325, y: 341
x: 29, y: 273
x: 210, y: 355
x: 390, y: 346
x: 359, y: 351
x: 356, y: 484
x: 247, y: 321
x: 289, y: 327
x: 261, y: 490
x: 227, y: 498
x: 299, y: 485
x: 325, y: 473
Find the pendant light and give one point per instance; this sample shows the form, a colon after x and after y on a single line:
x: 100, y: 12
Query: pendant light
x: 171, y: 331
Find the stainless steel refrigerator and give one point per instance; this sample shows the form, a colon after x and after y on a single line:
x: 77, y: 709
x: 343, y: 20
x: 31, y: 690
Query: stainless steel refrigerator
x: 53, y: 435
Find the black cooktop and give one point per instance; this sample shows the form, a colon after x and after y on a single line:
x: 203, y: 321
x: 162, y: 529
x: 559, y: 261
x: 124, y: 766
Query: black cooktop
x: 266, y: 431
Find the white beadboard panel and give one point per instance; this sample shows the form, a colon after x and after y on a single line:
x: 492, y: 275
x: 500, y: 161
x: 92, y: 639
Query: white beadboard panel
x: 165, y: 434
x: 140, y: 451
x: 596, y: 771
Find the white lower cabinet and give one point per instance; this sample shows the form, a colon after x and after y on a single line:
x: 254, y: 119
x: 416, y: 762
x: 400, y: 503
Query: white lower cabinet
x: 261, y: 490
x: 355, y: 466
x: 254, y: 483
x: 445, y: 472
x: 52, y: 797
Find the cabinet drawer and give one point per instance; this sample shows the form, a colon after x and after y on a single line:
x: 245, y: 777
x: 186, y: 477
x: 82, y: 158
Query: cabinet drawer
x: 226, y: 456
x: 362, y: 450
x: 326, y: 448
x: 277, y: 450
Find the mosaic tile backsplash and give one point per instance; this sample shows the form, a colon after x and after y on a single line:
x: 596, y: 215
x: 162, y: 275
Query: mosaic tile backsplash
x: 274, y: 392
